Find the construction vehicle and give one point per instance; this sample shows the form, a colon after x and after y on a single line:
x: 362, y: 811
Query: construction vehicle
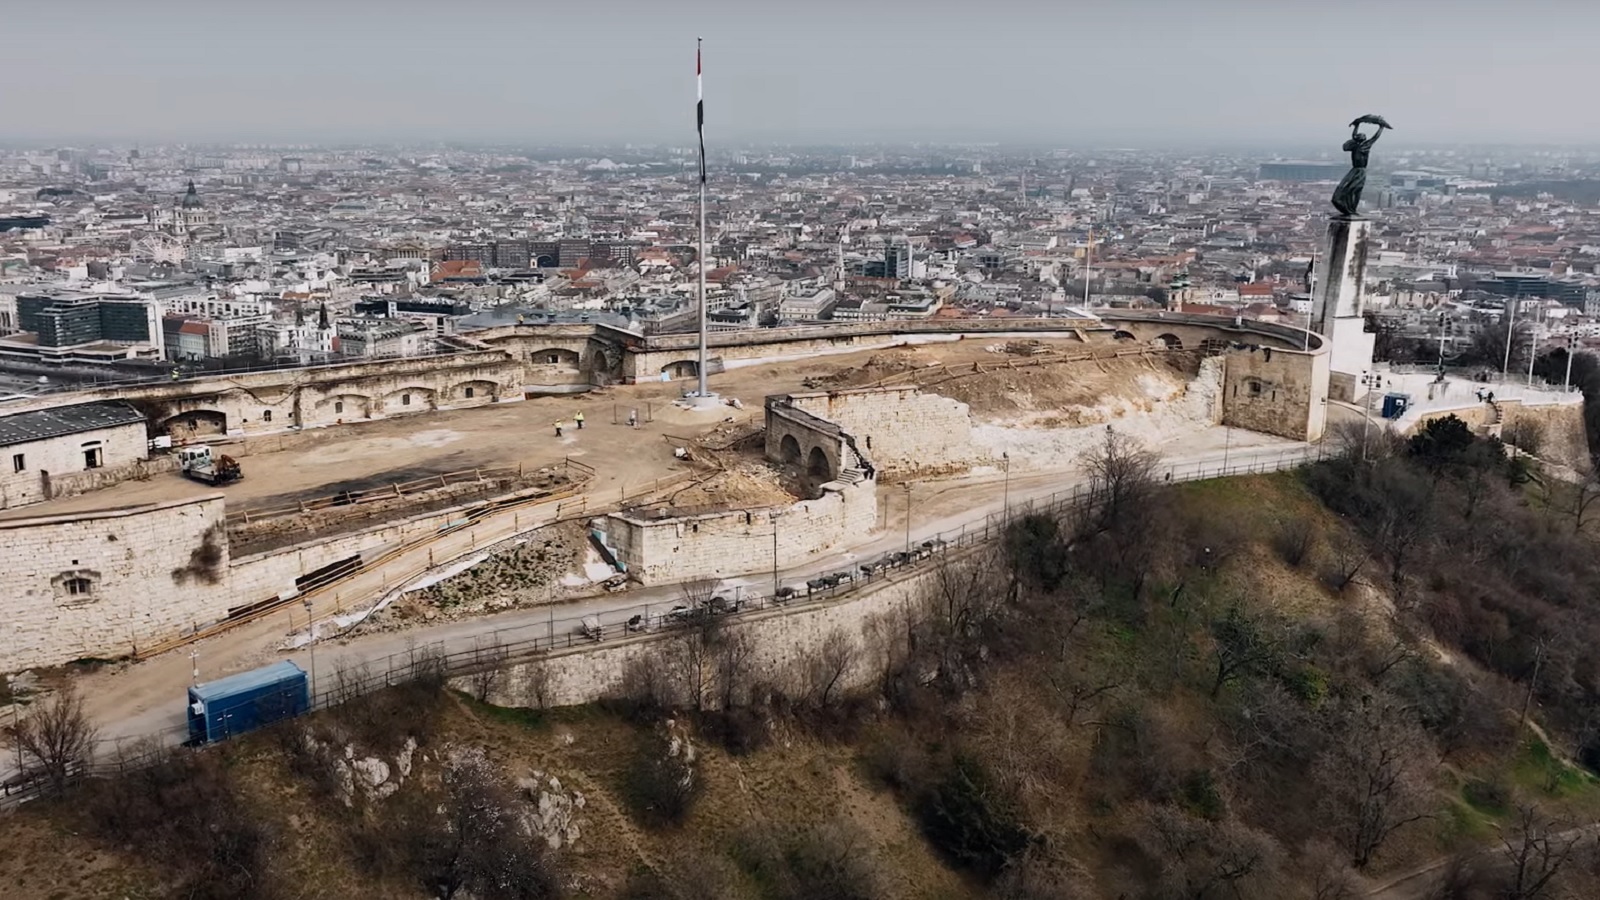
x: 198, y: 464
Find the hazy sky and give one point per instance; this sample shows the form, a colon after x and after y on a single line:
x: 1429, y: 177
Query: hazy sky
x: 1130, y: 72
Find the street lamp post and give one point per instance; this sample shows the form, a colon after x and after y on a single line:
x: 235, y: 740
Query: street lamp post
x: 1005, y: 503
x: 907, y: 486
x: 1566, y: 383
x: 1369, y: 380
x: 774, y: 517
x: 311, y: 629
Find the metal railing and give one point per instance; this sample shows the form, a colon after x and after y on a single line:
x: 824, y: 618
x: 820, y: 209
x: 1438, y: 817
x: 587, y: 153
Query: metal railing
x: 391, y: 491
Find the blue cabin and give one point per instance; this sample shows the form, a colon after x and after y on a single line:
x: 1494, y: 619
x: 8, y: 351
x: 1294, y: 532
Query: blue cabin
x: 228, y: 706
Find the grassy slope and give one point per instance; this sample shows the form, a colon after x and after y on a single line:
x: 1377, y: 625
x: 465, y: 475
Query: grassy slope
x: 800, y: 778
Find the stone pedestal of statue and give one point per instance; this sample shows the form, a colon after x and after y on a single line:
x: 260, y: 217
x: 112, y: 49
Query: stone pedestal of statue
x: 1338, y: 305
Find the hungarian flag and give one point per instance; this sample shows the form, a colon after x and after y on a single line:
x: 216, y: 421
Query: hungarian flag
x: 700, y: 110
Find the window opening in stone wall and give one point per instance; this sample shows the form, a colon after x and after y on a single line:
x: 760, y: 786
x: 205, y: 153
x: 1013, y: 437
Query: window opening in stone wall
x: 78, y: 587
x: 19, y: 462
x: 338, y: 406
x: 405, y: 399
x: 266, y: 415
x: 553, y: 359
x: 1255, y: 388
x: 469, y: 393
x: 92, y: 458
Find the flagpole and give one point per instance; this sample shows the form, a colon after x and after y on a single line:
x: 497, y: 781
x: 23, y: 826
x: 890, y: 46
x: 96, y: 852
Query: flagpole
x: 700, y: 127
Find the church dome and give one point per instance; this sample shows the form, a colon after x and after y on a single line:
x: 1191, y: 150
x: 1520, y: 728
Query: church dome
x: 191, y: 200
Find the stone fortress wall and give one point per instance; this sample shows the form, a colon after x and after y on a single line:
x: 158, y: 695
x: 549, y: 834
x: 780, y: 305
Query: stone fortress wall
x: 722, y: 543
x: 780, y: 640
x: 904, y: 431
x: 87, y: 584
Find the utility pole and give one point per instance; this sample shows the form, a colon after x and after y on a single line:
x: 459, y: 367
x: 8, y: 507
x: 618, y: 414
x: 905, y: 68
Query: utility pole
x: 311, y: 629
x: 907, y: 486
x: 774, y: 554
x: 1368, y: 380
x: 1511, y: 323
x: 1533, y: 351
x: 1006, y: 501
x: 1572, y: 350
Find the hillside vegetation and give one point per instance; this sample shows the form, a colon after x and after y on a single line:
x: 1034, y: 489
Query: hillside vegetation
x: 1313, y: 684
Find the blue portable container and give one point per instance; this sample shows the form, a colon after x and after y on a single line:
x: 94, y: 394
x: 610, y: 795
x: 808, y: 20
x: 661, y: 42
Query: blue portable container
x: 246, y: 701
x: 1395, y: 405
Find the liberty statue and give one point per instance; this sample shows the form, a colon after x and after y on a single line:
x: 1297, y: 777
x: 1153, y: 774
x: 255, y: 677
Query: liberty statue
x: 1347, y: 196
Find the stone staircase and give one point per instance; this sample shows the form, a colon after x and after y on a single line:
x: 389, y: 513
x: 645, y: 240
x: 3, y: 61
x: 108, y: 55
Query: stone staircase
x: 849, y: 475
x: 1497, y: 417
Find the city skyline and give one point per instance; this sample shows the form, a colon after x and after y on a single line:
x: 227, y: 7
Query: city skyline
x: 1144, y: 74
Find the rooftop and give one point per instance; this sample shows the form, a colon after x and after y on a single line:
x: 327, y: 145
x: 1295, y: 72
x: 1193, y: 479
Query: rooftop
x: 43, y: 424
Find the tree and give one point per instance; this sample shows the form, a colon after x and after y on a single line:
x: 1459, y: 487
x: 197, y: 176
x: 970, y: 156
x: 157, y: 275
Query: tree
x: 1537, y: 848
x: 827, y: 670
x: 1441, y: 442
x: 1374, y: 776
x: 1244, y: 646
x: 1122, y: 482
x: 481, y: 846
x: 1201, y: 858
x: 57, y: 738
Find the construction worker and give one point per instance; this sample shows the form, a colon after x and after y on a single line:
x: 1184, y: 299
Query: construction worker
x: 579, y: 419
x: 558, y: 428
x: 633, y: 418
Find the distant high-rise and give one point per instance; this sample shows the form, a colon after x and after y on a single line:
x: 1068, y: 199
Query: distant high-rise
x: 897, y: 260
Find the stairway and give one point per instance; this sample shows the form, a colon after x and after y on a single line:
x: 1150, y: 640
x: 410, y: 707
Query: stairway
x: 1497, y: 417
x: 851, y: 476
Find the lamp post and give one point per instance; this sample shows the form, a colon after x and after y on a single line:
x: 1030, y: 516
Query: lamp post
x: 907, y: 486
x: 311, y: 629
x: 1005, y: 503
x: 1572, y: 348
x: 1533, y: 351
x: 774, y: 517
x: 1369, y: 380
x: 1511, y: 324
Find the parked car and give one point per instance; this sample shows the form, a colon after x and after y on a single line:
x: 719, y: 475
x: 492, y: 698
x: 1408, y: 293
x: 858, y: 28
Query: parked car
x: 617, y: 582
x: 722, y: 605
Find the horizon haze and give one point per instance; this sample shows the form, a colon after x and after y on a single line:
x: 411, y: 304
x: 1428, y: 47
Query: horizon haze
x: 1144, y: 73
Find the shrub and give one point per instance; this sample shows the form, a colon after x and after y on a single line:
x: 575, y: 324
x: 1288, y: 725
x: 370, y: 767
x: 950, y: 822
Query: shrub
x: 967, y: 818
x: 831, y: 861
x: 661, y: 784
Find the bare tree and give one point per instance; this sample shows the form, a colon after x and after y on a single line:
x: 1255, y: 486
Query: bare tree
x: 489, y: 664
x: 1245, y: 644
x: 1294, y: 538
x: 828, y: 669
x: 691, y: 656
x: 1347, y: 556
x: 56, y: 738
x: 1374, y: 776
x: 1537, y: 848
x: 1201, y: 858
x: 734, y: 656
x: 483, y: 848
x: 1122, y: 481
x: 960, y: 602
x: 1583, y: 497
x: 536, y: 683
x: 647, y: 683
x: 697, y: 592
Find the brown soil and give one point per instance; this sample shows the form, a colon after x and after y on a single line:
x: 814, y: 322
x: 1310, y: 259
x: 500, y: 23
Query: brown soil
x: 514, y: 575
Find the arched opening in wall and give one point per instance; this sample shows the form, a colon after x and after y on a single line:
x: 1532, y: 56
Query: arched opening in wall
x: 1121, y: 335
x: 544, y: 262
x: 1170, y: 341
x: 476, y: 390
x: 817, y: 465
x: 1252, y: 387
x: 555, y: 356
x: 683, y: 368
x: 789, y: 450
x: 196, y: 423
x: 343, y: 406
x: 411, y: 399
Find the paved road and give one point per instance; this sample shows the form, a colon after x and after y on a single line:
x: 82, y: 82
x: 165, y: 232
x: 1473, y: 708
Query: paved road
x: 145, y: 699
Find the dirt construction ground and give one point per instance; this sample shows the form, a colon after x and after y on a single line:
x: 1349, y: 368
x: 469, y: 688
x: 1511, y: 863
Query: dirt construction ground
x: 355, y: 457
x: 1000, y: 381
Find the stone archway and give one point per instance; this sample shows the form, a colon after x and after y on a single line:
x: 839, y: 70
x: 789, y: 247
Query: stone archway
x: 1121, y: 335
x: 1170, y: 341
x: 817, y: 465
x: 789, y: 450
